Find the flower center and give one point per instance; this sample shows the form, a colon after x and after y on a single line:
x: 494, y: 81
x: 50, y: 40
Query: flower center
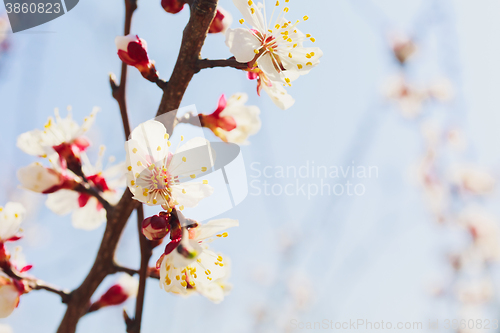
x: 269, y: 45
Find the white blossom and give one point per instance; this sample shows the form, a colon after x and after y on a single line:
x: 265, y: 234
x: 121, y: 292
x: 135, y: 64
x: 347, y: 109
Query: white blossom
x: 158, y: 177
x: 87, y: 212
x: 275, y: 47
x: 56, y: 132
x: 205, y: 273
x: 11, y: 217
x: 9, y: 296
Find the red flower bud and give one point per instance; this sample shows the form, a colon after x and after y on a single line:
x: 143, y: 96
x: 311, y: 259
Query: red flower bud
x: 155, y: 227
x: 126, y: 287
x: 132, y: 50
x: 221, y: 22
x: 214, y: 121
x: 173, y: 6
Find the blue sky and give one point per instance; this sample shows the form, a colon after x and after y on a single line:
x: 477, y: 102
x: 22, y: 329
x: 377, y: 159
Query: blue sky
x: 371, y: 256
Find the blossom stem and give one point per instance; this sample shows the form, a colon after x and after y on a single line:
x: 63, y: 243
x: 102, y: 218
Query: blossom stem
x: 152, y: 271
x: 118, y: 91
x: 130, y: 271
x: 231, y: 62
x: 40, y: 285
x: 37, y: 284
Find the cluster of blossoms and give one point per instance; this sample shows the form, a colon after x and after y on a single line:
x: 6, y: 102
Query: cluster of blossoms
x: 410, y: 99
x: 72, y: 183
x: 454, y: 192
x: 455, y: 195
x: 12, y: 270
x: 274, y: 50
x: 272, y: 54
x: 158, y: 176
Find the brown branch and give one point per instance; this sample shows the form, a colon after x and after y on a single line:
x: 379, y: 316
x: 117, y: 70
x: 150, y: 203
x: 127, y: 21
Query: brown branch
x: 134, y: 325
x: 40, y: 285
x: 202, y: 14
x: 118, y: 91
x: 130, y: 271
x: 231, y: 62
x: 34, y: 283
x: 103, y: 264
x: 152, y: 272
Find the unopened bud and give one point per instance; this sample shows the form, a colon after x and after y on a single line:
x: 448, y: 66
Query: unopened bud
x: 126, y: 287
x: 221, y: 22
x: 132, y: 50
x: 155, y: 227
x: 173, y: 6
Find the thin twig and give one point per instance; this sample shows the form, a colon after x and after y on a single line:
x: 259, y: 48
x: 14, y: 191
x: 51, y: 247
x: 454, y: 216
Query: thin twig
x: 134, y: 326
x: 36, y: 284
x: 152, y: 272
x: 231, y: 62
x: 130, y: 271
x: 118, y: 91
x: 40, y: 285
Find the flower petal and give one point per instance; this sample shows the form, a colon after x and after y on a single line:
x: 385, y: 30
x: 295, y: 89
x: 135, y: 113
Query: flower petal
x: 152, y: 136
x: 242, y: 44
x: 279, y: 95
x: 252, y: 13
x: 190, y: 194
x: 213, y: 227
x: 192, y: 159
x: 62, y: 202
x: 90, y: 216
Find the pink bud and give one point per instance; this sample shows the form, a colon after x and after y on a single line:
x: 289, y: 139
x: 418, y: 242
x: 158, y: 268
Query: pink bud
x: 117, y: 294
x: 173, y: 6
x: 215, y: 121
x: 132, y: 50
x: 155, y: 227
x: 221, y: 22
